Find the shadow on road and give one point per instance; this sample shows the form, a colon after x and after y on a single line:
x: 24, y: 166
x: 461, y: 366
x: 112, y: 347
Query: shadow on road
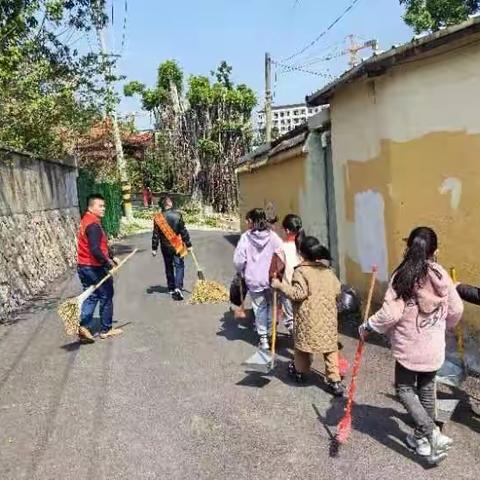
x: 39, y: 304
x: 122, y: 249
x: 233, y: 329
x: 380, y: 423
x: 254, y: 379
x: 157, y: 289
x: 232, y: 238
x: 463, y: 413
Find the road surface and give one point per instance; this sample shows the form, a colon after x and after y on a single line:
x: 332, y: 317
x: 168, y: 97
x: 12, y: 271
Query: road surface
x: 170, y: 399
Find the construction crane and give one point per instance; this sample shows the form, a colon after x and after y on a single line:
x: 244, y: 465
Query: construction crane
x: 354, y: 48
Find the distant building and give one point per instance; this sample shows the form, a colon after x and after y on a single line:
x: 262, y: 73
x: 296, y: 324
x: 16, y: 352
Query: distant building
x: 286, y: 117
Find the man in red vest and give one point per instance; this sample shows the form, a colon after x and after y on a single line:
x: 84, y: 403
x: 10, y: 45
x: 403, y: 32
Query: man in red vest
x: 94, y: 261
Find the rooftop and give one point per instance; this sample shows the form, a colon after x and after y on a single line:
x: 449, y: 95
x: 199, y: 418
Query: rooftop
x: 379, y: 64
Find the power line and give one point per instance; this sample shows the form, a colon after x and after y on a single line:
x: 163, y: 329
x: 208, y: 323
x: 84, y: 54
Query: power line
x: 327, y: 58
x: 318, y: 52
x: 313, y: 42
x: 124, y: 33
x: 292, y: 68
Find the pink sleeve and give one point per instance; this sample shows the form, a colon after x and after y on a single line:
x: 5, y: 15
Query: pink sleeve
x: 455, y: 307
x: 390, y: 313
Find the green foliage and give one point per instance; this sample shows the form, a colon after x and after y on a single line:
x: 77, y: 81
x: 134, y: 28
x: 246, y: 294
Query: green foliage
x: 206, y: 135
x: 49, y: 93
x: 154, y: 170
x: 431, y: 15
x: 112, y: 192
x: 153, y: 99
x: 169, y: 72
x: 208, y: 148
x: 133, y: 88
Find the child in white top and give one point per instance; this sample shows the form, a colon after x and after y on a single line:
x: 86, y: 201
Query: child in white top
x: 286, y: 259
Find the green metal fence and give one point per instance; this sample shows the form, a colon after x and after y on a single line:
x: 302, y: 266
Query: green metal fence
x: 112, y: 192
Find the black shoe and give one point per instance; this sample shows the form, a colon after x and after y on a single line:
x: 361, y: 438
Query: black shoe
x: 177, y: 295
x: 337, y: 389
x: 298, y: 377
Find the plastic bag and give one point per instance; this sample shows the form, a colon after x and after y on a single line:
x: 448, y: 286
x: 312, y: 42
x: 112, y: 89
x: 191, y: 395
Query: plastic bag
x: 238, y: 290
x: 348, y: 301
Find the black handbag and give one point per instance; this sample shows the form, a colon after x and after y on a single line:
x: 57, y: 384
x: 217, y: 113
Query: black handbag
x: 238, y: 290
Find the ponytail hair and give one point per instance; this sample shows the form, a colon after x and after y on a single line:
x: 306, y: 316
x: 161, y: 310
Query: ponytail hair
x: 312, y: 250
x: 412, y: 272
x: 293, y: 223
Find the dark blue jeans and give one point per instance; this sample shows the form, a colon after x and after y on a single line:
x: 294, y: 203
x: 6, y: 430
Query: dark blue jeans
x: 104, y: 296
x: 174, y: 269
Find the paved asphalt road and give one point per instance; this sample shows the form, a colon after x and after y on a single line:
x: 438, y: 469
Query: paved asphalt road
x: 170, y: 400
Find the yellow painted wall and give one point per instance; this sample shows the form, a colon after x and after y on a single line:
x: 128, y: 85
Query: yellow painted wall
x: 279, y: 183
x: 410, y: 141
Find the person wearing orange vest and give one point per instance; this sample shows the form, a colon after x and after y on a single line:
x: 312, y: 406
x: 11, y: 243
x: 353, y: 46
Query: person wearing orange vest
x: 94, y: 260
x: 170, y: 232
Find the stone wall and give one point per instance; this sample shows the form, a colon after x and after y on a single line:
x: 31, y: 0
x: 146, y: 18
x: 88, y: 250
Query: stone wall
x: 38, y: 221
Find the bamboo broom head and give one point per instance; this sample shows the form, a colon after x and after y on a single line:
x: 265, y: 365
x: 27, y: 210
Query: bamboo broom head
x: 69, y: 313
x: 208, y: 291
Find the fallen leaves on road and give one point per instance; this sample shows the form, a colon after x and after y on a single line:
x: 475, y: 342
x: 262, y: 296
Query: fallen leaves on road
x: 208, y: 291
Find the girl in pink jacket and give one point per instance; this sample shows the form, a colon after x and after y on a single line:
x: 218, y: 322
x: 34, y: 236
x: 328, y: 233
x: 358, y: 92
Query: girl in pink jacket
x: 420, y: 304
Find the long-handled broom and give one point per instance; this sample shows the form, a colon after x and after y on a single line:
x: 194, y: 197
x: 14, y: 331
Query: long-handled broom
x: 344, y: 428
x: 69, y: 310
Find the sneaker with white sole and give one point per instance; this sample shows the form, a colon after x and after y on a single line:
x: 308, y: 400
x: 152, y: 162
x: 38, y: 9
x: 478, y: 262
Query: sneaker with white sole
x: 178, y: 295
x: 85, y: 334
x: 113, y: 332
x: 439, y: 442
x: 421, y: 446
x: 264, y: 342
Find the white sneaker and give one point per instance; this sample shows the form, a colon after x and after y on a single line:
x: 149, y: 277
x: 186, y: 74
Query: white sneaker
x: 421, y: 446
x: 264, y: 342
x: 439, y: 443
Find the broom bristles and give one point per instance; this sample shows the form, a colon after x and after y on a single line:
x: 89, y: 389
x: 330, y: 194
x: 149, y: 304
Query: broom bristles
x: 344, y: 428
x: 69, y: 312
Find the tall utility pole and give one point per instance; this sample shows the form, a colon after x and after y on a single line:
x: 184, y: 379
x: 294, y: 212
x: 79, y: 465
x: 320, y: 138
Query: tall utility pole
x: 268, y: 97
x: 112, y: 112
x: 354, y: 48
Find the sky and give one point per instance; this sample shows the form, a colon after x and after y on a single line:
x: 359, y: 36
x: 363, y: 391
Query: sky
x: 199, y: 34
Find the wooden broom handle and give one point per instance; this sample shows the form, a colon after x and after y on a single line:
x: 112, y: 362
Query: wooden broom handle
x: 274, y: 322
x: 370, y: 294
x: 195, y: 260
x: 114, y: 270
x: 459, y: 337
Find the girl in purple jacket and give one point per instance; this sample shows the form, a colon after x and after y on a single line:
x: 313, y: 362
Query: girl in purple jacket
x: 252, y: 259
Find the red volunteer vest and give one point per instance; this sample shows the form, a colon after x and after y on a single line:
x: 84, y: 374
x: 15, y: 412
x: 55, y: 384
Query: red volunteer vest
x: 84, y: 256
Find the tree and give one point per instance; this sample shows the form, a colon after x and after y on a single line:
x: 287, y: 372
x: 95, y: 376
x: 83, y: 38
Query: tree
x: 49, y: 92
x: 431, y: 15
x: 205, y: 130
